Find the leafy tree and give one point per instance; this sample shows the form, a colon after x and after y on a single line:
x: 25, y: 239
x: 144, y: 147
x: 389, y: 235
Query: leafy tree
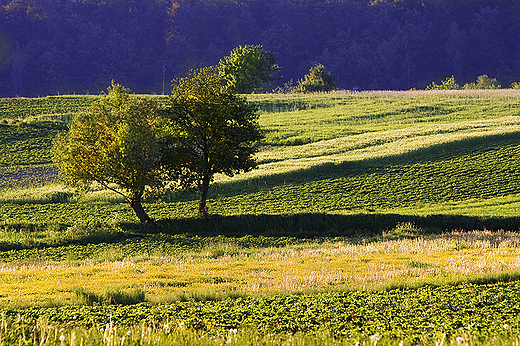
x: 483, y: 82
x: 447, y: 84
x: 319, y: 79
x: 212, y: 129
x: 247, y: 68
x: 115, y: 144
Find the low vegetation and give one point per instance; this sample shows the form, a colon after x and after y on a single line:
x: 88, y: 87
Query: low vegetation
x: 378, y: 218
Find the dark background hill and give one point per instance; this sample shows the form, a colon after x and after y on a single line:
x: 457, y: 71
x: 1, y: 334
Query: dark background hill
x: 78, y: 46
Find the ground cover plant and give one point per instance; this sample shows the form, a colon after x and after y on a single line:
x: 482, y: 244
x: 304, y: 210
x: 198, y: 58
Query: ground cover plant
x: 59, y: 106
x: 373, y: 218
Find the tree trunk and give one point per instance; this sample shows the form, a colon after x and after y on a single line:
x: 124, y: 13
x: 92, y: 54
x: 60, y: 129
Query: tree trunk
x: 135, y: 203
x: 203, y: 209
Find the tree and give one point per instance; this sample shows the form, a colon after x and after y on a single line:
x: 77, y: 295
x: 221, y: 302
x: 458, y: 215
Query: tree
x: 212, y: 129
x: 116, y: 144
x: 483, y: 82
x: 447, y: 84
x: 319, y: 79
x: 247, y: 68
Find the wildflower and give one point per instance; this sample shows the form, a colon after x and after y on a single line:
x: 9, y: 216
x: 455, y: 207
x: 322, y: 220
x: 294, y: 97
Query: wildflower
x: 166, y: 327
x: 62, y: 338
x: 506, y: 326
x: 181, y: 325
x: 129, y: 333
x: 233, y: 331
x: 375, y: 338
x: 460, y: 339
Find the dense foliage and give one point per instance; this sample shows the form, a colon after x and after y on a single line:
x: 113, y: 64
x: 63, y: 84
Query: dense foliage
x: 213, y: 131
x: 319, y: 79
x: 115, y: 142
x: 248, y: 68
x: 49, y: 47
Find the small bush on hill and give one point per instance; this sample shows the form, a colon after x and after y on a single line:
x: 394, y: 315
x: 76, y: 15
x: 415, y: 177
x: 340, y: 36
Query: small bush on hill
x: 447, y: 84
x: 319, y: 79
x: 483, y: 82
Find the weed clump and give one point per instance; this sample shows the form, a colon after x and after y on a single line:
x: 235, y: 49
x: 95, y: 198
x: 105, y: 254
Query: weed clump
x: 111, y: 296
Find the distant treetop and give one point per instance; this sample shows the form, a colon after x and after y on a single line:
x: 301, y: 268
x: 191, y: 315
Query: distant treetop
x: 247, y: 68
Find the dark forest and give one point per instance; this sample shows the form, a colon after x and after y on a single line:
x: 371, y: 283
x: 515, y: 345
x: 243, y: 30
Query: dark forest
x: 50, y: 47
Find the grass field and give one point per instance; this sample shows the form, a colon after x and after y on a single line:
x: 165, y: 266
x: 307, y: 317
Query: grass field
x: 377, y: 214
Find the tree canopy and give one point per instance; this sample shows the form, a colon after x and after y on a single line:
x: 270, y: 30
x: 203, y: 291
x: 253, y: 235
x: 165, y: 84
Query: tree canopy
x: 447, y: 84
x: 247, y: 68
x: 212, y: 129
x: 116, y: 144
x: 483, y: 82
x: 319, y: 79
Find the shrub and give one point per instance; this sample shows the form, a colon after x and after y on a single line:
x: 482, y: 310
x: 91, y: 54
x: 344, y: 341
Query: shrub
x: 319, y: 79
x: 483, y: 82
x: 448, y: 84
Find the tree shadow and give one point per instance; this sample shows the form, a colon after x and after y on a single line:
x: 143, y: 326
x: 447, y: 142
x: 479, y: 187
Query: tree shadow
x: 432, y: 154
x: 255, y: 230
x: 318, y: 225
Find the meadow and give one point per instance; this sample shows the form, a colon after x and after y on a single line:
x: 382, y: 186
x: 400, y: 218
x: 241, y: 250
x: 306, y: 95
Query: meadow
x: 373, y: 218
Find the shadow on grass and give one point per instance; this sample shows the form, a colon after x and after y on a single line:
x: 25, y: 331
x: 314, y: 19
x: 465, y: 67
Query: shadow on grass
x: 432, y: 154
x: 316, y: 225
x: 232, y: 233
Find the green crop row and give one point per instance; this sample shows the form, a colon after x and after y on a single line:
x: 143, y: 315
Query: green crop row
x: 301, y: 119
x: 437, y: 177
x: 22, y: 108
x: 52, y: 107
x: 25, y: 145
x: 419, y: 315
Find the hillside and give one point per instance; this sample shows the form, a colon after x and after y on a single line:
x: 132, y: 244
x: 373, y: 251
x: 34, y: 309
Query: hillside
x: 365, y: 209
x: 341, y: 152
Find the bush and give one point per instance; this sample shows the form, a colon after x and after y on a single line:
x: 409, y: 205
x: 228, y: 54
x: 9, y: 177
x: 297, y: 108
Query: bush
x: 448, y: 84
x: 483, y: 82
x: 319, y: 79
x: 112, y: 296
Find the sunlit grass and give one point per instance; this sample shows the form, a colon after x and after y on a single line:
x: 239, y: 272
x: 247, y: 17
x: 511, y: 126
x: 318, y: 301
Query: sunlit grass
x: 367, y: 146
x: 50, y: 193
x: 499, y: 207
x: 301, y: 119
x: 227, y: 269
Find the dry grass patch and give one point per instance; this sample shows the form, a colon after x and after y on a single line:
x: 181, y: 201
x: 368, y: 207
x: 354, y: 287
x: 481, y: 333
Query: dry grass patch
x: 333, y: 265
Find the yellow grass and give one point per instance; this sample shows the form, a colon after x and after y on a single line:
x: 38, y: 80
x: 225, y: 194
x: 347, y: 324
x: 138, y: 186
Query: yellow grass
x: 373, y: 145
x: 335, y: 265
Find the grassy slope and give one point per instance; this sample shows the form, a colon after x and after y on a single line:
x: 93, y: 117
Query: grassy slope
x: 372, y: 166
x: 417, y: 153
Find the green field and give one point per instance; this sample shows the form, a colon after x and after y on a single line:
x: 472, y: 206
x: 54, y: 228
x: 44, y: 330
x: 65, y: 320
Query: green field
x: 378, y: 213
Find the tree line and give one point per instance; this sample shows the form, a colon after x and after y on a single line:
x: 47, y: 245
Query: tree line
x: 78, y: 46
